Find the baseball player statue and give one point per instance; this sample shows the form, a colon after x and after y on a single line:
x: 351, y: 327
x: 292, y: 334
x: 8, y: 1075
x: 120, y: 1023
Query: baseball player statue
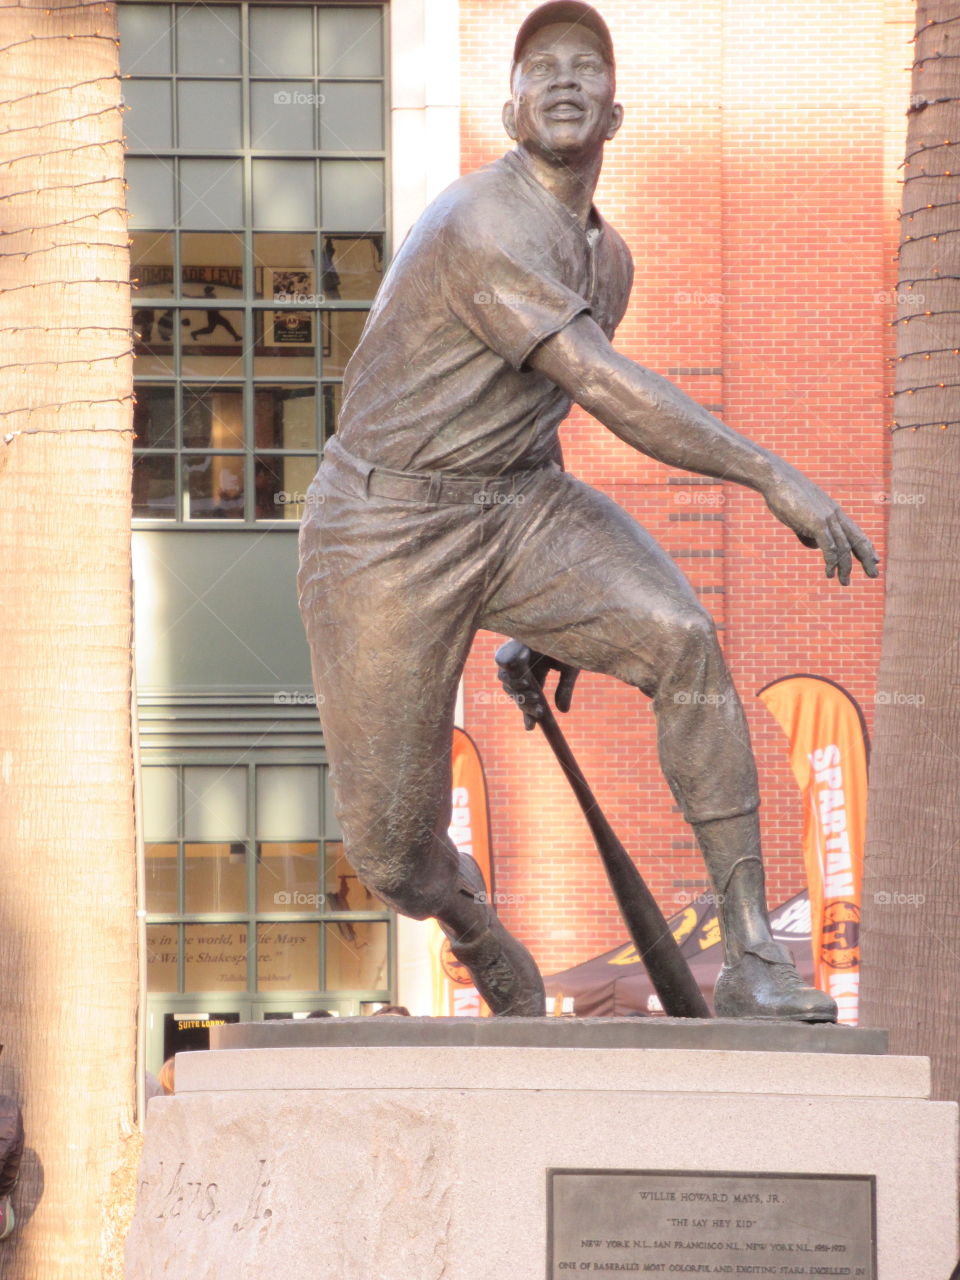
x: 441, y: 507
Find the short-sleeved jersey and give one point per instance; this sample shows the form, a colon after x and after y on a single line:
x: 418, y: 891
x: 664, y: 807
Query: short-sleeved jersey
x: 495, y: 265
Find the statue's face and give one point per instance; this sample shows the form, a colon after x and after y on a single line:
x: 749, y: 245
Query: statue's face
x: 563, y: 88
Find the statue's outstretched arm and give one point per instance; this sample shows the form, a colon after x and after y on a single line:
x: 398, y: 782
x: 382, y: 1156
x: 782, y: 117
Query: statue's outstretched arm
x: 660, y: 420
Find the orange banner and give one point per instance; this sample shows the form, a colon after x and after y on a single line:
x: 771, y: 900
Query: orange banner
x: 453, y: 989
x: 828, y: 755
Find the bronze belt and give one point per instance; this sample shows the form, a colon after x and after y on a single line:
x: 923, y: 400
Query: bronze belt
x: 432, y: 487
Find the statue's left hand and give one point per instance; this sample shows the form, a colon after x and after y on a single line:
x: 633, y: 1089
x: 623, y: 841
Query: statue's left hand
x: 819, y: 522
x: 514, y: 661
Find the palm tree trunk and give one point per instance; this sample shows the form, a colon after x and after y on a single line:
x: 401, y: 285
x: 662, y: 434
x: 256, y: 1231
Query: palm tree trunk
x: 68, y: 965
x: 911, y: 916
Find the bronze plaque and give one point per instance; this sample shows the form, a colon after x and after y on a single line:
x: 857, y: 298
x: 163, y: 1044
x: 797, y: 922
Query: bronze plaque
x: 620, y: 1222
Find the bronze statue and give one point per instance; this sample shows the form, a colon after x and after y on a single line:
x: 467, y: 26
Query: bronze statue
x: 441, y: 507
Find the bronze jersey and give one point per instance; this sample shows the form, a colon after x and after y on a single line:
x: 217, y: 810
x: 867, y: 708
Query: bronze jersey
x: 495, y: 265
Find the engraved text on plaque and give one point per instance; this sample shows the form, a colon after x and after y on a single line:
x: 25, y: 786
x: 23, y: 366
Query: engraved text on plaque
x: 620, y: 1222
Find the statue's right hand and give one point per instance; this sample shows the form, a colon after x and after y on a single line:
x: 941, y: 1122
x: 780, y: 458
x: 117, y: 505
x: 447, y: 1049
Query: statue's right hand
x: 522, y: 672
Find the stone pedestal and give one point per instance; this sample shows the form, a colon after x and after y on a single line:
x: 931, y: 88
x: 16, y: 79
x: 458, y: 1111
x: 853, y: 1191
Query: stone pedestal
x: 331, y: 1152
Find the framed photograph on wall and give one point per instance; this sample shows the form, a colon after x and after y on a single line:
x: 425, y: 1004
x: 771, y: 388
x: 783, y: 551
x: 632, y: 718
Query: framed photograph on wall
x: 289, y: 328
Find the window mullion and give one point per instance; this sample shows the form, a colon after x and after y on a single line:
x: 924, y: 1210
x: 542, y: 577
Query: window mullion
x: 252, y: 846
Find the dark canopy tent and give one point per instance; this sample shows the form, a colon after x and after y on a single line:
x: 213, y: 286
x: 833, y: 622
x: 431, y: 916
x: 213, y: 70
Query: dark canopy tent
x: 616, y: 983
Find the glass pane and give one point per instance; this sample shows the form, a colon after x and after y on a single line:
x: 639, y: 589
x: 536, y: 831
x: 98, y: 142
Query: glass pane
x: 351, y: 42
x: 282, y: 482
x: 341, y: 333
x: 293, y: 332
x: 213, y: 487
x: 288, y: 957
x: 215, y: 877
x: 351, y: 117
x: 151, y: 264
x: 284, y: 195
x: 159, y: 787
x: 356, y: 955
x: 285, y: 417
x: 296, y: 475
x: 352, y: 266
x: 161, y: 878
x: 352, y: 198
x: 215, y: 331
x: 211, y: 194
x: 288, y: 878
x: 148, y: 122
x: 212, y: 418
x: 208, y: 39
x: 287, y: 338
x: 282, y: 115
x: 288, y: 802
x: 285, y: 360
x: 162, y: 951
x: 150, y: 194
x: 212, y: 342
x: 154, y: 340
x: 332, y: 395
x: 281, y: 42
x: 154, y: 428
x: 283, y: 261
x: 291, y: 285
x: 211, y: 258
x: 271, y: 501
x: 215, y: 803
x: 154, y: 487
x: 215, y: 957
x: 144, y: 38
x: 209, y: 115
x: 343, y: 890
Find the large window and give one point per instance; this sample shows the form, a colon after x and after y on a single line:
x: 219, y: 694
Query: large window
x: 256, y: 162
x: 248, y: 891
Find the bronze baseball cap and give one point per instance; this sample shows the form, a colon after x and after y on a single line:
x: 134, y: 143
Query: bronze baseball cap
x: 570, y: 11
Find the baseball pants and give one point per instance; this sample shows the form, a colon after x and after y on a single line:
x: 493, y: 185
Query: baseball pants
x: 398, y: 572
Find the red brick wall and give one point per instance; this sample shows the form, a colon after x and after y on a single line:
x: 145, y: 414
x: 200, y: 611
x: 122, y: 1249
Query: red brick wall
x: 754, y: 180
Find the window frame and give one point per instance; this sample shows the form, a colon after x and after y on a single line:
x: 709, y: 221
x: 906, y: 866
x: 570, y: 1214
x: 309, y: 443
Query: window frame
x: 251, y: 918
x: 253, y: 309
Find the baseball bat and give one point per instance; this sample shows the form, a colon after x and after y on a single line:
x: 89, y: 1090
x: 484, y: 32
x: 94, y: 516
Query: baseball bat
x: 669, y: 972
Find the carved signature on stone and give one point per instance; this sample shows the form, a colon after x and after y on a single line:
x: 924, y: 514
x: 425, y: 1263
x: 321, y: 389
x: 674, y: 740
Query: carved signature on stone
x: 184, y: 1196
